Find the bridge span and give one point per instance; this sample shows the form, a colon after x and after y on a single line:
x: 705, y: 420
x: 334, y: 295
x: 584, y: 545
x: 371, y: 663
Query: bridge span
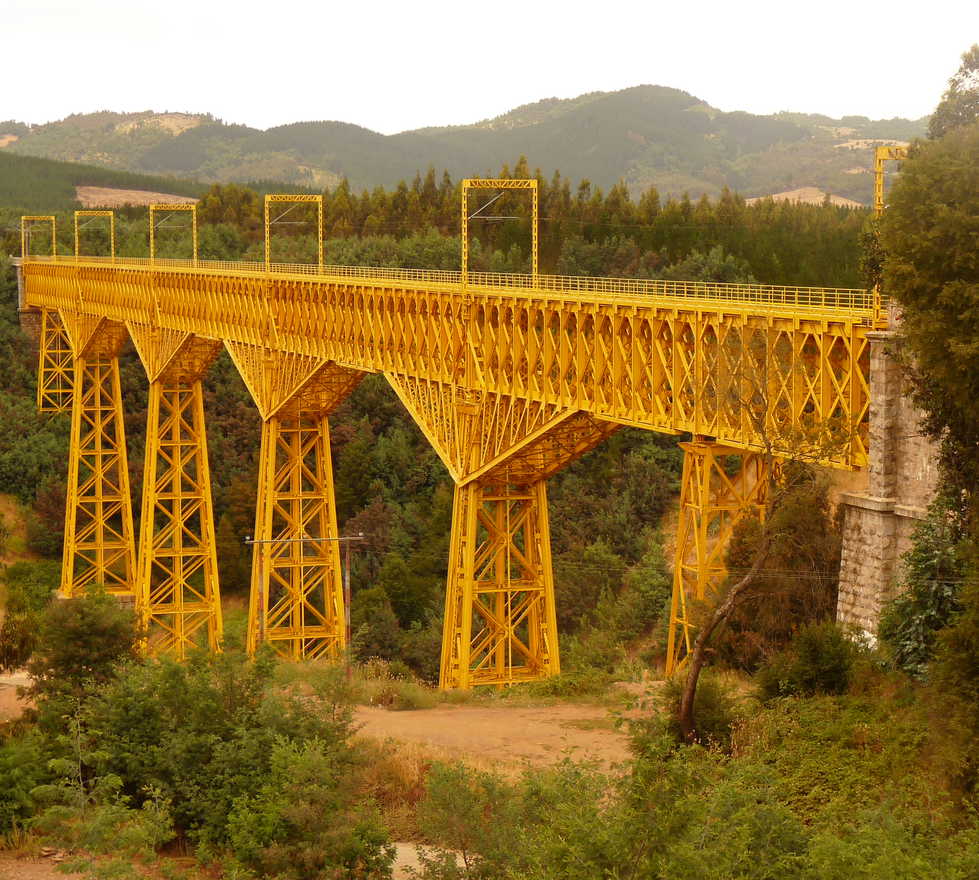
x: 510, y: 377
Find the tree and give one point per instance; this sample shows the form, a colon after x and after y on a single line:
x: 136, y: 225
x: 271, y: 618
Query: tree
x: 960, y: 103
x: 929, y: 236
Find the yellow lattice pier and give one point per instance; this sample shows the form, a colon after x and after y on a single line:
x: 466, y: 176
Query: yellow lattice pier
x: 510, y: 377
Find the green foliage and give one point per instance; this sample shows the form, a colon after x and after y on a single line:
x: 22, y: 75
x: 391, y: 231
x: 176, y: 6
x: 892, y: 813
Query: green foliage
x: 960, y: 103
x: 80, y: 642
x: 21, y: 771
x: 34, y: 185
x: 797, y: 582
x: 929, y: 601
x: 304, y: 821
x: 642, y: 135
x: 819, y: 660
x: 714, y: 707
x: 29, y: 587
x: 928, y: 233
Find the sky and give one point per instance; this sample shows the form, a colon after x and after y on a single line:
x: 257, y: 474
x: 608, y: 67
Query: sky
x: 402, y: 65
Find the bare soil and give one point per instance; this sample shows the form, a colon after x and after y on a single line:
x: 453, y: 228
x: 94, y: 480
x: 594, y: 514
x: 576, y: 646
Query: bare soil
x: 504, y: 736
x: 13, y: 868
x: 108, y: 197
x: 809, y: 195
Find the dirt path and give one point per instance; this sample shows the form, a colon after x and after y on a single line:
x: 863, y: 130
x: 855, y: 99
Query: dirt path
x: 10, y: 705
x: 12, y: 868
x: 504, y: 735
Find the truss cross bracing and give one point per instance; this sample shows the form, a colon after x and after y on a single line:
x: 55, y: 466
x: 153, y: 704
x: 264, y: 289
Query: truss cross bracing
x: 510, y: 377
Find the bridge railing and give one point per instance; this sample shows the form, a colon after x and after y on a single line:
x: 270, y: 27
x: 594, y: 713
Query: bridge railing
x: 850, y: 300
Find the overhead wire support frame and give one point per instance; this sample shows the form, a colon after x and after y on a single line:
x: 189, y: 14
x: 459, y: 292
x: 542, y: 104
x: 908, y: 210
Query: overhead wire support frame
x: 112, y: 230
x: 529, y: 183
x: 294, y: 199
x: 191, y: 207
x: 25, y: 232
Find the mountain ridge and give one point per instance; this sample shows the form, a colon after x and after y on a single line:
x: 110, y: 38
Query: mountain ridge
x: 644, y: 136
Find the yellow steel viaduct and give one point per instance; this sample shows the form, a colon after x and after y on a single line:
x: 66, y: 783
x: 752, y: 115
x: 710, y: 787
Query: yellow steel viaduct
x: 510, y: 377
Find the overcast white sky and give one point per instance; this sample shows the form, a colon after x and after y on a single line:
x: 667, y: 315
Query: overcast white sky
x: 397, y: 66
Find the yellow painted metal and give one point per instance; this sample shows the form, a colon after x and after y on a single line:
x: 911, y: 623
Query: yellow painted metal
x: 529, y: 184
x: 275, y: 199
x: 500, y: 622
x: 712, y: 500
x: 26, y: 223
x: 881, y: 156
x: 500, y: 617
x: 510, y: 377
x: 190, y: 208
x: 112, y: 230
x: 296, y: 600
x: 668, y: 361
x: 99, y: 546
x: 178, y: 598
x: 56, y: 366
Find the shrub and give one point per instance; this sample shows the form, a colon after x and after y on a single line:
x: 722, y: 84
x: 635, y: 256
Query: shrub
x: 305, y: 822
x: 715, y: 709
x: 21, y: 770
x: 819, y: 661
x: 80, y: 642
x: 933, y: 570
x: 29, y: 587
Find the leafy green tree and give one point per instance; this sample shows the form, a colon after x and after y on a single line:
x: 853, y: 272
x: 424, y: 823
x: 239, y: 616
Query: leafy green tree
x: 929, y: 235
x: 80, y: 643
x: 29, y: 588
x: 960, y: 103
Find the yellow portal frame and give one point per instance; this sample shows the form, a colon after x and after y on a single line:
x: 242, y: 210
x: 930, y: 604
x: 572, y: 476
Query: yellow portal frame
x: 296, y: 200
x: 25, y: 233
x: 112, y: 230
x: 490, y: 183
x: 191, y: 208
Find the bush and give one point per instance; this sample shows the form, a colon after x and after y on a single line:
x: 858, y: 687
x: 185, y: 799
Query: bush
x: 80, y: 642
x: 929, y: 601
x: 305, y: 822
x: 819, y: 661
x: 21, y: 770
x: 714, y: 708
x: 29, y: 588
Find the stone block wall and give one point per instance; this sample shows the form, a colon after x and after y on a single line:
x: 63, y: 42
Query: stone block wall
x: 902, y: 475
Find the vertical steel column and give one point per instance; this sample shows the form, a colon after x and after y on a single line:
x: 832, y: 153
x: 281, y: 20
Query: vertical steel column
x: 178, y: 595
x: 711, y: 503
x: 500, y: 618
x: 55, y: 368
x: 99, y: 546
x: 296, y: 601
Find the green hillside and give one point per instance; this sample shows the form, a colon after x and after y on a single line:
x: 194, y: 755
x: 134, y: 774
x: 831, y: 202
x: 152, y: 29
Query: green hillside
x: 35, y: 185
x: 646, y: 135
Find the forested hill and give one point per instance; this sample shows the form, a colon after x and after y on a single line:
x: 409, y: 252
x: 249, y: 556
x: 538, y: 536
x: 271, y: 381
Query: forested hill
x: 646, y: 136
x: 32, y: 185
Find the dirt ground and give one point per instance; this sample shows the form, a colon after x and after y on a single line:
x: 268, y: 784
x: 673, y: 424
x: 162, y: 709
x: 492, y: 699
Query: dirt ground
x: 509, y: 735
x: 12, y: 868
x: 10, y: 705
x: 109, y: 197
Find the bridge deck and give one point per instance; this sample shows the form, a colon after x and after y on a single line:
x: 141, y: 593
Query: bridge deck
x: 751, y: 365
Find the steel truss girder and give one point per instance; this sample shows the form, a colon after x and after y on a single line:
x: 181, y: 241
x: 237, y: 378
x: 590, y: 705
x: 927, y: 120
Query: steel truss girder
x: 657, y: 363
x: 56, y: 369
x: 99, y: 546
x: 500, y: 622
x: 178, y: 599
x: 711, y: 504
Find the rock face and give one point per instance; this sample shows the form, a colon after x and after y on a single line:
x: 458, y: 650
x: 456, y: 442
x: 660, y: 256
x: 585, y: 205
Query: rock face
x: 902, y: 472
